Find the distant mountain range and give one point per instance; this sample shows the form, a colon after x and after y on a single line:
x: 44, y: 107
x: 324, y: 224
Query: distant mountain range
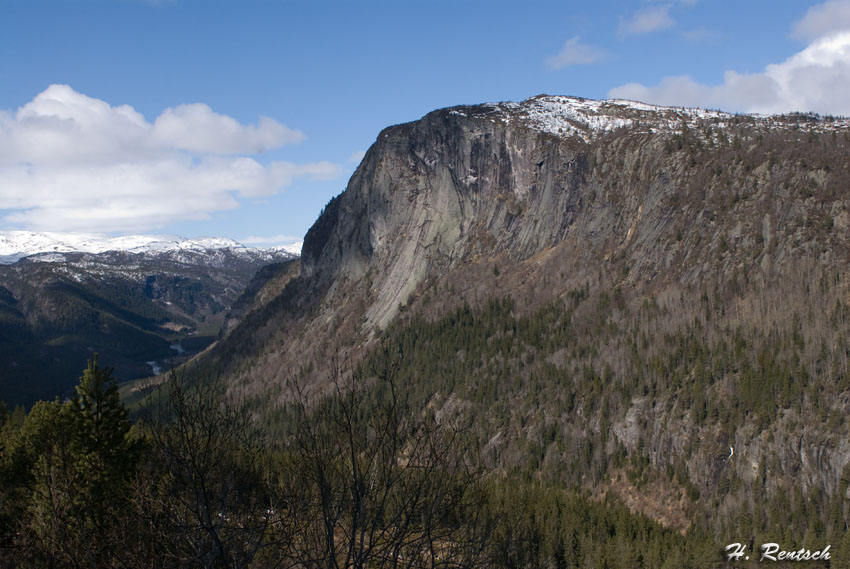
x: 15, y: 245
x: 142, y: 302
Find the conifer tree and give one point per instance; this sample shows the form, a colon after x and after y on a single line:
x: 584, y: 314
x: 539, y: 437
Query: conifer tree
x: 69, y: 469
x: 103, y: 452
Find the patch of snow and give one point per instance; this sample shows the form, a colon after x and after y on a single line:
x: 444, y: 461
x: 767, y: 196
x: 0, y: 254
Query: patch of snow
x: 637, y: 105
x: 154, y: 367
x: 586, y: 119
x: 292, y: 248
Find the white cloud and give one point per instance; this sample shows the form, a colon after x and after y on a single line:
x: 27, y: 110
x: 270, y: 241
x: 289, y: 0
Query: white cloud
x: 356, y: 157
x: 699, y: 35
x: 69, y: 162
x: 823, y: 19
x: 575, y: 53
x: 646, y: 21
x: 197, y: 128
x: 816, y: 79
x: 270, y: 240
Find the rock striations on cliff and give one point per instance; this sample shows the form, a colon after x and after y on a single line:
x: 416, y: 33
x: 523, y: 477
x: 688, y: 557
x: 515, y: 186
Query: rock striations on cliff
x: 718, y: 222
x: 671, y: 193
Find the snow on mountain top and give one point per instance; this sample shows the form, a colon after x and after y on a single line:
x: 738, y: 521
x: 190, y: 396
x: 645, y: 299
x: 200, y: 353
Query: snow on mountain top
x: 574, y: 116
x: 637, y: 105
x: 588, y: 118
x: 15, y: 245
x: 292, y: 249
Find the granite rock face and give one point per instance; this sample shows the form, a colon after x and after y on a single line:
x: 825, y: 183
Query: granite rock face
x: 533, y: 199
x: 677, y: 193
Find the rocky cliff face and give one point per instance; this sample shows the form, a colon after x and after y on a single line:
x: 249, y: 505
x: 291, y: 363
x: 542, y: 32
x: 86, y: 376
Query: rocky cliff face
x: 680, y: 194
x: 723, y: 223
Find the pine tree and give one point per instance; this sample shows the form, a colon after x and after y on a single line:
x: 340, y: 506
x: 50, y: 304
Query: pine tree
x: 69, y: 469
x: 104, y: 454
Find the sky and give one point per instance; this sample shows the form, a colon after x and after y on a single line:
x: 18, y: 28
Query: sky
x: 241, y: 119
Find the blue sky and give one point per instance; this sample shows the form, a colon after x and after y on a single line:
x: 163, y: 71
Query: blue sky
x: 242, y: 118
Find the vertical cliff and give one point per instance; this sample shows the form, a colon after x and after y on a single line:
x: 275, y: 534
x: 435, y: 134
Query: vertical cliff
x: 703, y: 256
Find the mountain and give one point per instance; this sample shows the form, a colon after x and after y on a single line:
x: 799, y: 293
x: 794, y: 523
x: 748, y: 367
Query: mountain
x: 142, y: 302
x: 631, y: 300
x: 15, y: 245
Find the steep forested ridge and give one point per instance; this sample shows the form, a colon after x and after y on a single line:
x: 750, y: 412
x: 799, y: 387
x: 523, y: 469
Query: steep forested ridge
x: 619, y: 294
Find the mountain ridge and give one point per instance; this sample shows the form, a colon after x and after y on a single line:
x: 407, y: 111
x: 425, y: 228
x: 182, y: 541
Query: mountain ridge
x: 142, y: 309
x: 15, y: 245
x: 354, y: 227
x: 568, y: 116
x: 692, y: 264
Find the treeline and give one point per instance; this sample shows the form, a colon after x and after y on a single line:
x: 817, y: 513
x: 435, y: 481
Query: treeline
x: 360, y: 478
x: 592, y: 393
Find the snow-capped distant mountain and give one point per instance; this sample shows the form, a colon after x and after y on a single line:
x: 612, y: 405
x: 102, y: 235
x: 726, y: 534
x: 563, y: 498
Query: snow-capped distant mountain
x: 15, y: 245
x: 130, y: 299
x: 292, y: 249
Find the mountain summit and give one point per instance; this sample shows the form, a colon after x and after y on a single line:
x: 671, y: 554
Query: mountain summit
x: 643, y: 195
x: 620, y: 291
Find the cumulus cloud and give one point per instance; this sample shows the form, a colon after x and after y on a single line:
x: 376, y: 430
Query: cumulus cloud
x: 816, y: 79
x: 356, y: 157
x: 575, y: 53
x: 69, y: 162
x: 699, y: 35
x: 197, y: 128
x: 823, y: 19
x: 646, y: 21
x: 271, y: 240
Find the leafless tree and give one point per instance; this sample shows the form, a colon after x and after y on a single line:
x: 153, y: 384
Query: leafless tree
x: 209, y: 494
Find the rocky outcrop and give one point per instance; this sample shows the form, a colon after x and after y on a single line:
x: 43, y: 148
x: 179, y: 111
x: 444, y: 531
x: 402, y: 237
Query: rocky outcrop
x: 702, y: 212
x: 649, y: 194
x: 679, y: 193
